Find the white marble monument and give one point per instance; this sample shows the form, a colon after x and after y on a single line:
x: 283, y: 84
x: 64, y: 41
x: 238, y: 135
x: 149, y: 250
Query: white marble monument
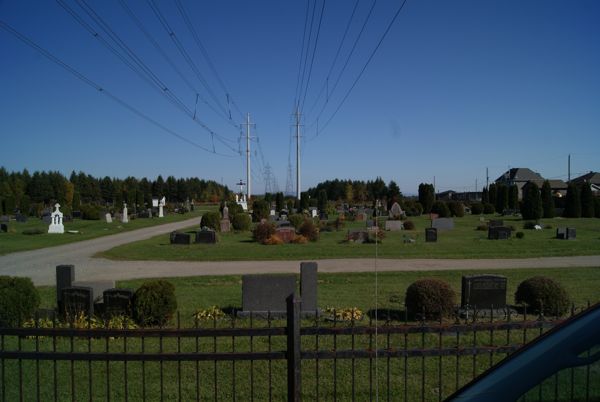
x: 124, y: 218
x: 161, y: 205
x: 56, y: 222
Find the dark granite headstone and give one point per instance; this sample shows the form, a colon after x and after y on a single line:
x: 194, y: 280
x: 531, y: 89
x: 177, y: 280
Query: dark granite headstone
x: 47, y: 219
x: 566, y: 233
x: 286, y: 233
x: 180, y: 238
x: 206, y: 237
x: 117, y: 302
x: 483, y: 291
x: 98, y: 287
x: 65, y: 275
x: 431, y: 235
x: 499, y: 233
x: 77, y: 299
x: 496, y: 222
x: 442, y: 223
x: 76, y: 214
x: 21, y: 218
x: 308, y: 286
x: 3, y: 227
x: 571, y: 233
x: 263, y: 293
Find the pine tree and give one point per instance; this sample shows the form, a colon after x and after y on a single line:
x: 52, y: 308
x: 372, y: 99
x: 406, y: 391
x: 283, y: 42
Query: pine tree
x: 513, y: 197
x: 547, y: 200
x: 587, y: 201
x: 426, y: 197
x: 573, y: 202
x: 492, y: 194
x: 532, y: 202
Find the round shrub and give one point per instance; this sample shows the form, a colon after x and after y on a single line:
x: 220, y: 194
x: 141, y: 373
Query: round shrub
x: 488, y: 208
x: 412, y: 208
x: 477, y: 208
x: 212, y: 220
x: 309, y: 230
x: 296, y: 220
x: 260, y: 210
x: 90, y: 212
x: 456, y: 209
x: 18, y: 300
x: 520, y: 235
x: 154, y: 303
x: 263, y: 231
x: 543, y: 295
x: 429, y: 298
x: 408, y: 225
x: 241, y: 221
x: 441, y: 208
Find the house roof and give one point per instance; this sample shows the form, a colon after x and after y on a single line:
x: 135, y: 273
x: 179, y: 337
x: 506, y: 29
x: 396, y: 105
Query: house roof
x: 591, y: 177
x: 520, y: 175
x: 558, y: 184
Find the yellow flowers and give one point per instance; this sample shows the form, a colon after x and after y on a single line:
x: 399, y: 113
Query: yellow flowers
x: 345, y: 314
x: 211, y: 313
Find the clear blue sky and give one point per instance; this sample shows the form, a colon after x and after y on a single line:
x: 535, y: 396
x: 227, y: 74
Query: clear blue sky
x: 457, y: 86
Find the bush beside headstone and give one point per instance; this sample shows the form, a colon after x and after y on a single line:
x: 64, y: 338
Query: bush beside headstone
x: 18, y: 300
x: 430, y: 298
x: 543, y: 295
x: 154, y: 303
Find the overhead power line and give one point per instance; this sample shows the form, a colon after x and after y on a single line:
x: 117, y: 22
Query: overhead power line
x: 99, y: 88
x: 312, y: 61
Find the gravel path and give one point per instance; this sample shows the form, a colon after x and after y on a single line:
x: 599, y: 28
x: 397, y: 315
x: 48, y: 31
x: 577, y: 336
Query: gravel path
x: 40, y: 264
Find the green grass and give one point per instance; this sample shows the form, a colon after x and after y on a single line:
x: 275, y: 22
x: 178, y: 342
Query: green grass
x: 462, y: 242
x: 340, y: 290
x: 14, y: 240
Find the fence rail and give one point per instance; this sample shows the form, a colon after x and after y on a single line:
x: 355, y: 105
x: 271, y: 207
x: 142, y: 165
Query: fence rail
x: 322, y: 361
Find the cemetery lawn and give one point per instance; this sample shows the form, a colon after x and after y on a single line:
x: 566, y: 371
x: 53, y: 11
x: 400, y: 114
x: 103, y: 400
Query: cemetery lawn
x: 356, y: 289
x: 14, y: 240
x: 464, y: 241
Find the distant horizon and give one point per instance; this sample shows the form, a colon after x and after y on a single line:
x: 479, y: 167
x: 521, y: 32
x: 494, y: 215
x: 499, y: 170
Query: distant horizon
x: 449, y: 90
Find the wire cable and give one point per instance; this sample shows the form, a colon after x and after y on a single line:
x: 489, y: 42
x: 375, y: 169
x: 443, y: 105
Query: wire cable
x: 312, y: 61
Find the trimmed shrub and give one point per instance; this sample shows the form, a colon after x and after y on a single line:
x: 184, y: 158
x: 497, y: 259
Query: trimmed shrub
x: 412, y: 208
x: 260, y: 210
x: 154, y: 303
x: 296, y: 220
x: 477, y: 208
x: 520, y: 235
x: 212, y: 220
x: 456, y: 209
x: 430, y: 298
x: 488, y: 208
x: 543, y: 295
x: 263, y: 231
x: 18, y: 300
x: 90, y: 212
x: 440, y: 208
x: 241, y: 221
x: 408, y: 225
x: 233, y: 208
x: 273, y: 240
x: 309, y: 230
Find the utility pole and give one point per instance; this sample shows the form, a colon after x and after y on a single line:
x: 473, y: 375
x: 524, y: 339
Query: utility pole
x: 569, y: 171
x: 297, y: 153
x: 487, y: 178
x: 248, y: 171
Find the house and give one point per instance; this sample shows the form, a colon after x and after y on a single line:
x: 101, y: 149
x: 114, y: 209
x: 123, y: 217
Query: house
x: 451, y: 195
x: 522, y: 176
x: 592, y: 178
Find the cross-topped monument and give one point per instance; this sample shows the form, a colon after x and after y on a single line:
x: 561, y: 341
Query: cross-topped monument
x: 56, y: 221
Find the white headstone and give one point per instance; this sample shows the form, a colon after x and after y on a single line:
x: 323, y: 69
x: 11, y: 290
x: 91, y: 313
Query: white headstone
x: 56, y: 222
x: 225, y: 212
x: 108, y: 217
x: 124, y: 218
x: 161, y: 204
x: 155, y: 202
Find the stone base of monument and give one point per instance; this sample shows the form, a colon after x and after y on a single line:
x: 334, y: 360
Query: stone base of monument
x: 488, y: 313
x: 264, y: 315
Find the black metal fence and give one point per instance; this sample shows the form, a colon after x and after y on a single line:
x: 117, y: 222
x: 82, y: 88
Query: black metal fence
x: 253, y: 359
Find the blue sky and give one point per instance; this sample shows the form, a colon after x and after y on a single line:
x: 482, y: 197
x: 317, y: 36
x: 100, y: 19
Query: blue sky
x: 455, y: 87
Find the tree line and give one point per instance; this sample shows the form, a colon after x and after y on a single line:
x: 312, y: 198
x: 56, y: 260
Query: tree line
x: 31, y: 193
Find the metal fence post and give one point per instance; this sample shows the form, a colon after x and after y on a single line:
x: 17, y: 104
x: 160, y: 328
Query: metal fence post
x: 293, y: 348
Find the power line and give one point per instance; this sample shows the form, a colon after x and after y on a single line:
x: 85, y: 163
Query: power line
x: 313, y: 54
x: 310, y: 29
x: 365, y: 66
x: 99, y: 88
x: 296, y: 100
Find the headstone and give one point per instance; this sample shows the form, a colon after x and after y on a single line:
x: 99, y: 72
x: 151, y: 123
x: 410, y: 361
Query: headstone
x: 483, y: 291
x: 117, y: 302
x: 179, y: 238
x: 264, y: 293
x: 76, y: 214
x: 3, y: 227
x: 499, y: 233
x: 571, y: 233
x: 124, y: 217
x: 47, y: 219
x: 496, y: 222
x: 161, y: 205
x: 144, y: 214
x: 21, y: 218
x: 566, y: 233
x: 98, y: 287
x: 77, y: 299
x: 286, y: 234
x: 56, y: 222
x: 225, y: 212
x: 65, y: 275
x: 4, y: 218
x: 206, y: 236
x: 108, y: 217
x: 430, y: 235
x: 308, y: 286
x: 443, y: 223
x: 358, y: 235
x: 225, y: 225
x: 394, y: 226
x: 395, y: 211
x: 272, y: 212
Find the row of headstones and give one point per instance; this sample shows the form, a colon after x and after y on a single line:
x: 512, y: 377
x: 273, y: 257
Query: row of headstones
x: 202, y: 236
x: 89, y: 297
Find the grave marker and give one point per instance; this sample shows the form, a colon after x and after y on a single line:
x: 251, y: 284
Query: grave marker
x: 3, y: 227
x: 77, y: 299
x: 117, y: 301
x: 308, y: 286
x: 65, y: 275
x: 442, y: 223
x: 206, y: 236
x: 56, y: 221
x: 264, y: 293
x: 430, y: 235
x: 179, y: 238
x: 483, y: 291
x: 499, y: 233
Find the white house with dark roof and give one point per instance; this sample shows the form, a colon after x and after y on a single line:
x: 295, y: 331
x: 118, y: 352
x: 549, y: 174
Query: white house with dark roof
x: 591, y: 178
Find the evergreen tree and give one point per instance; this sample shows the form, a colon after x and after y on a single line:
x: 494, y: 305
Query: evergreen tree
x: 573, y: 202
x: 492, y: 194
x: 501, y: 197
x: 394, y: 193
x: 485, y: 196
x: 513, y: 197
x: 547, y: 200
x: 322, y: 201
x: 532, y: 202
x: 279, y: 201
x: 587, y: 201
x: 426, y: 197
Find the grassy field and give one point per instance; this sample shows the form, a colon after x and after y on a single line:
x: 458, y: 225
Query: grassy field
x: 462, y: 242
x: 425, y: 378
x: 14, y: 240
